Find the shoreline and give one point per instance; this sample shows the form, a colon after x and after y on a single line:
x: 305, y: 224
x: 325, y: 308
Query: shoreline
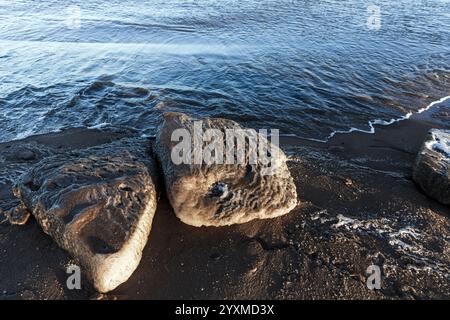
x: 371, y: 123
x: 358, y: 206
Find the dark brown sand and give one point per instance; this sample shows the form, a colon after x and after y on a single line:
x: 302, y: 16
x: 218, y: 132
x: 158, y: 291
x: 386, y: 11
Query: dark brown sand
x: 358, y: 206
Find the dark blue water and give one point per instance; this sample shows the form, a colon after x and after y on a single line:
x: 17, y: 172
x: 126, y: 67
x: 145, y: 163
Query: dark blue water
x: 305, y: 67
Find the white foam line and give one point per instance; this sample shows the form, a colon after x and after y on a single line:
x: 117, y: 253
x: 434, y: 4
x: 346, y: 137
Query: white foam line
x: 387, y: 123
x: 99, y: 125
x: 380, y: 122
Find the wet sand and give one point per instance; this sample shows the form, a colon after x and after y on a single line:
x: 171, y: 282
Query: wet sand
x: 357, y: 206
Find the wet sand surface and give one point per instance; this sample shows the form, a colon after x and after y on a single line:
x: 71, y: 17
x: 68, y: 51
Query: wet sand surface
x: 357, y: 206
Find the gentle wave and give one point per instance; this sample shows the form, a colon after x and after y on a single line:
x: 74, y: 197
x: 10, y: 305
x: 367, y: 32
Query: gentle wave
x: 130, y: 47
x: 380, y: 122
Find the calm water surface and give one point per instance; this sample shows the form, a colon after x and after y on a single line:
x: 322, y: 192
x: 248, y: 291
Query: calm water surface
x: 305, y: 67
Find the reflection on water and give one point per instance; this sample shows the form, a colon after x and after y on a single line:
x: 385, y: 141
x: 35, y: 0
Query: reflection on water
x: 305, y: 67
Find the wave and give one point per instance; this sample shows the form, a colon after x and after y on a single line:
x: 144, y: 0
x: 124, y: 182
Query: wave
x: 155, y: 47
x: 380, y: 122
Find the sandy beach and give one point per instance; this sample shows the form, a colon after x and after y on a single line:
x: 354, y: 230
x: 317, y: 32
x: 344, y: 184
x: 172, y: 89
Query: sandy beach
x: 139, y: 151
x: 358, y: 206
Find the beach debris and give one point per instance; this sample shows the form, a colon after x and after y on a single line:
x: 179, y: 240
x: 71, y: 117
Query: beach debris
x: 98, y: 204
x: 432, y: 166
x: 18, y: 215
x: 215, y: 173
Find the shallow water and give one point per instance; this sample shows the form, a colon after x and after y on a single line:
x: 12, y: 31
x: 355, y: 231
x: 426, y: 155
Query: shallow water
x: 305, y: 67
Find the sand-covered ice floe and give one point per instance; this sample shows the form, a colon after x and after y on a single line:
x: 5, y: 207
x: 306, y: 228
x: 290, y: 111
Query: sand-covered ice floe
x: 221, y: 193
x: 432, y: 166
x: 98, y: 204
